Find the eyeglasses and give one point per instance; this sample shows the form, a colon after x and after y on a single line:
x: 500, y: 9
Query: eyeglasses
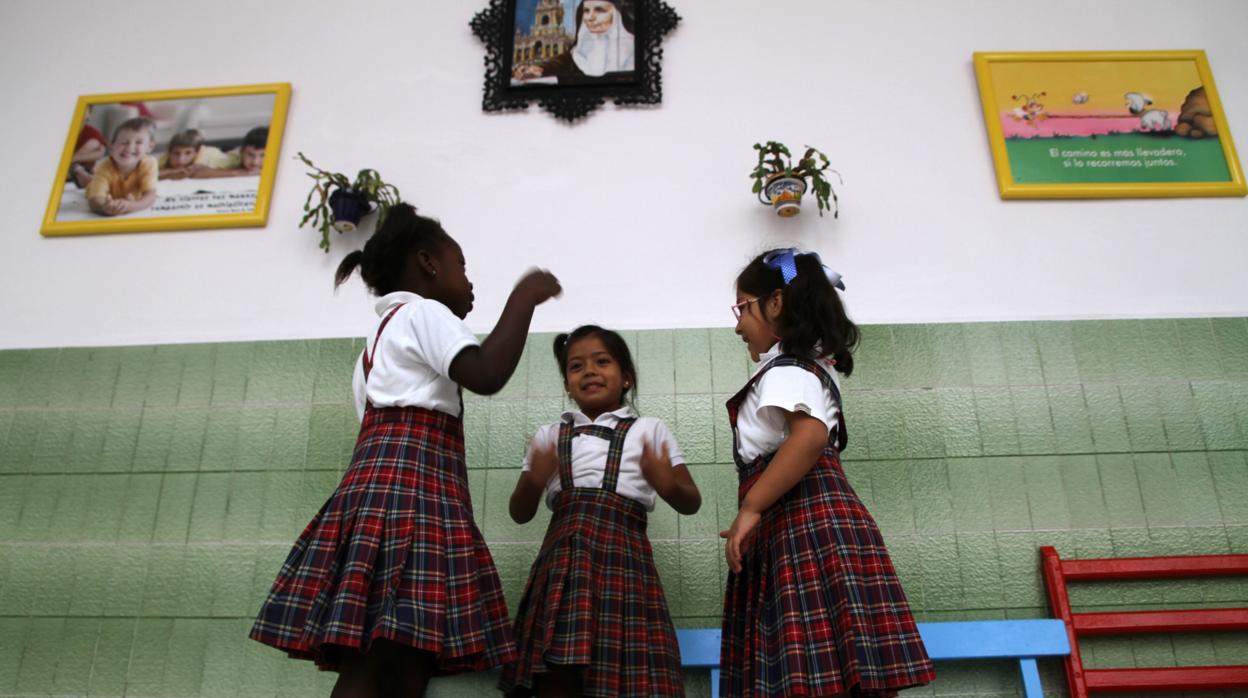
x: 737, y: 309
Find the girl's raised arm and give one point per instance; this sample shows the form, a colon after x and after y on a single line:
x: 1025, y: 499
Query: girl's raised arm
x: 486, y: 369
x: 528, y: 493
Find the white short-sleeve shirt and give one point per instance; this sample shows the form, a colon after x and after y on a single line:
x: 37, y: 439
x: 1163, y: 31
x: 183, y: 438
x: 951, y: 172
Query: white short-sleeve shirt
x: 589, y: 453
x: 411, y: 366
x: 761, y: 424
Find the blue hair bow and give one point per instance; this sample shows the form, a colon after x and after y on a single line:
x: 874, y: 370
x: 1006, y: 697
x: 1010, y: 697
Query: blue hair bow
x: 785, y: 262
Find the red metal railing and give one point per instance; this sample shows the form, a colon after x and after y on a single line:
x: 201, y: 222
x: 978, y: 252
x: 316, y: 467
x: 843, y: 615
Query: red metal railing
x: 1057, y: 572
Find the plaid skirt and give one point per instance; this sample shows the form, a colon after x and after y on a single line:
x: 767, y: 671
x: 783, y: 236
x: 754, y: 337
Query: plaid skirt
x: 394, y: 554
x: 594, y: 601
x: 817, y: 609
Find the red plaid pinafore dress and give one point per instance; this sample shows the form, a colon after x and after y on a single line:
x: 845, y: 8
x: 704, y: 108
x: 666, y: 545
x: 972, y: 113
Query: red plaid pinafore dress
x: 393, y: 554
x: 817, y: 609
x: 593, y: 599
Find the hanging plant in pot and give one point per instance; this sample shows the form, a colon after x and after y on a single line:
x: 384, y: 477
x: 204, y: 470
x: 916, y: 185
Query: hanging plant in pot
x: 339, y: 202
x: 780, y: 184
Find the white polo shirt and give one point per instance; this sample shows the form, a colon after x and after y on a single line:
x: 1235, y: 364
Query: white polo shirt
x: 412, y: 365
x: 761, y: 424
x: 589, y: 453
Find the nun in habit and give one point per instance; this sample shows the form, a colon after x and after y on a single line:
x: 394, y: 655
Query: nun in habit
x: 603, y: 52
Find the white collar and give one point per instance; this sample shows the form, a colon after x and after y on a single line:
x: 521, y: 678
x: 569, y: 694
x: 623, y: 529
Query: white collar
x: 826, y: 361
x: 578, y: 418
x: 766, y: 357
x: 388, y: 301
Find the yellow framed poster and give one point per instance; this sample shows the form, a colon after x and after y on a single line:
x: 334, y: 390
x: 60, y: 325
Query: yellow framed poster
x: 169, y: 160
x: 1102, y: 124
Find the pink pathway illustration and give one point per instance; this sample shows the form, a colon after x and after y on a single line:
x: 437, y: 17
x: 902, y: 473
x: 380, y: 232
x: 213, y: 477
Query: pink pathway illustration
x: 1065, y: 125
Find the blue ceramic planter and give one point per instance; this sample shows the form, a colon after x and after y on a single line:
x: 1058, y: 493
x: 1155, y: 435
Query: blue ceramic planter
x: 348, y: 207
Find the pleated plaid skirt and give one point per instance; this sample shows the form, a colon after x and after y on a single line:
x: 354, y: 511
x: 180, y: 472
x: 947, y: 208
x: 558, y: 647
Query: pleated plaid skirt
x: 817, y: 609
x: 594, y: 601
x: 394, y: 554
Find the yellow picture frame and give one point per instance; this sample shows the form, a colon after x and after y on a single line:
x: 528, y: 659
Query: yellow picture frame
x: 234, y: 114
x: 1106, y: 124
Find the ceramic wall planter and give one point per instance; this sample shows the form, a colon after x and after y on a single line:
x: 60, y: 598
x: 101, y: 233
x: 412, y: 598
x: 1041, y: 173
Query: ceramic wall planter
x: 781, y: 180
x: 348, y: 207
x: 784, y: 194
x: 337, y: 202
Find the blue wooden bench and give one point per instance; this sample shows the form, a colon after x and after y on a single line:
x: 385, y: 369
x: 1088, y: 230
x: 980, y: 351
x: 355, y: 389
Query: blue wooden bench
x: 1024, y: 640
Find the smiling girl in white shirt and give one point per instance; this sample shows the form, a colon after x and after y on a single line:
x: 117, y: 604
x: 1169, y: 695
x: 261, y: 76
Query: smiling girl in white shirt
x: 593, y: 620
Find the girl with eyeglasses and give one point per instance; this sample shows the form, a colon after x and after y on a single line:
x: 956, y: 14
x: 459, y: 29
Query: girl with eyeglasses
x: 813, y: 606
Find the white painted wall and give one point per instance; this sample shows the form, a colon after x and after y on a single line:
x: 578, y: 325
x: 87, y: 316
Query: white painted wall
x: 645, y: 215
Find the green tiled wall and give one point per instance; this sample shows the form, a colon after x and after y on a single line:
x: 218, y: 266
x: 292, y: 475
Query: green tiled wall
x: 149, y: 494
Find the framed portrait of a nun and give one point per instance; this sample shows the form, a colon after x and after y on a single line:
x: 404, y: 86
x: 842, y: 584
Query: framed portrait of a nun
x: 572, y: 55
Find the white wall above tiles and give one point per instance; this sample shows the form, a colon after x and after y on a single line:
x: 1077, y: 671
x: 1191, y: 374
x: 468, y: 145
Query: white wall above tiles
x: 645, y: 215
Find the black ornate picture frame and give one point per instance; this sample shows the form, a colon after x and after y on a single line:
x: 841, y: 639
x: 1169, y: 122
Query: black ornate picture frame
x: 573, y: 55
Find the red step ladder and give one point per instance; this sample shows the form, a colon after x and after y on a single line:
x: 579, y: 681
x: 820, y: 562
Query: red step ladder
x: 1057, y: 572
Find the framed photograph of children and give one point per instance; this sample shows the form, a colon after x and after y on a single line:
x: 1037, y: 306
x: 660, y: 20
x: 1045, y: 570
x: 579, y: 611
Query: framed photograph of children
x: 169, y: 160
x: 572, y: 55
x: 1102, y: 124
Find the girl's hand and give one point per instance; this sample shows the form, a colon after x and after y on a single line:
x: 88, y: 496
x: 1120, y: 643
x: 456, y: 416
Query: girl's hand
x: 673, y: 483
x: 544, y: 464
x: 739, y: 538
x: 527, y: 497
x: 656, y: 467
x: 538, y: 286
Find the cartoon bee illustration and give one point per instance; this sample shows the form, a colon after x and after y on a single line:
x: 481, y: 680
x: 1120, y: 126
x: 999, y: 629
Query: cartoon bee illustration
x: 1030, y: 109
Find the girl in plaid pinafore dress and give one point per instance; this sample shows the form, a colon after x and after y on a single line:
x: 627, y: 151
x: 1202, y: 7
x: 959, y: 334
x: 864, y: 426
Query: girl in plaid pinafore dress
x: 813, y: 606
x: 391, y: 582
x: 593, y: 620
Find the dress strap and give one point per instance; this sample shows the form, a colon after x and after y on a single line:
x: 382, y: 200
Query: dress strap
x: 615, y: 453
x: 565, y: 455
x: 368, y: 358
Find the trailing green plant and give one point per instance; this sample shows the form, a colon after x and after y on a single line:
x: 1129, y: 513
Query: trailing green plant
x: 775, y: 161
x: 317, y: 211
